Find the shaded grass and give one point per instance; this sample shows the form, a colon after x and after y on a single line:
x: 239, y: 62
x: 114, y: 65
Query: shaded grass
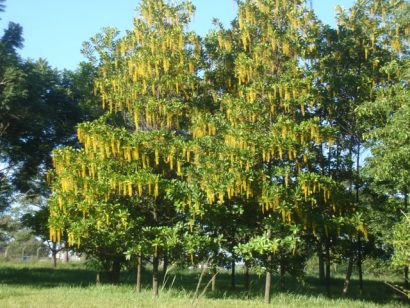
x: 72, y: 285
x: 42, y: 275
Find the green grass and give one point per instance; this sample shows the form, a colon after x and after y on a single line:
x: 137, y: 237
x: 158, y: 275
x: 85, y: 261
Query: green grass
x: 72, y: 285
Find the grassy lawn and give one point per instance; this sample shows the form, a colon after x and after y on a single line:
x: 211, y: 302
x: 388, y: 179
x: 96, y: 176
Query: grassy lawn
x: 72, y: 285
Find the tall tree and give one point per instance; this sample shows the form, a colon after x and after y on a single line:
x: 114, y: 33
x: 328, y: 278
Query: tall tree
x: 349, y: 75
x: 148, y: 85
x: 39, y: 108
x: 266, y: 103
x: 385, y: 116
x: 389, y: 168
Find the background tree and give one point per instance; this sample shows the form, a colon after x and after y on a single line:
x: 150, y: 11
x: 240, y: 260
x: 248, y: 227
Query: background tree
x: 16, y: 241
x: 385, y: 117
x: 390, y: 169
x: 39, y: 108
x: 349, y: 75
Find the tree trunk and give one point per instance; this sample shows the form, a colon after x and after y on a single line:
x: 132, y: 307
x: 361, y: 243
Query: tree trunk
x: 139, y: 267
x: 38, y: 253
x: 327, y: 282
x: 213, y: 282
x: 54, y: 257
x: 155, y: 263
x: 359, y: 265
x: 406, y: 268
x: 115, y: 270
x: 282, y: 276
x: 321, y: 262
x: 97, y: 279
x: 268, y: 281
x: 359, y: 242
x: 22, y: 253
x: 233, y: 277
x: 348, y: 275
x: 6, y: 253
x: 165, y: 265
x: 233, y: 242
x: 246, y: 277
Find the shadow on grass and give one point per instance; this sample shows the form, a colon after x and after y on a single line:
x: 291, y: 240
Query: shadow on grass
x: 375, y: 291
x: 45, y: 277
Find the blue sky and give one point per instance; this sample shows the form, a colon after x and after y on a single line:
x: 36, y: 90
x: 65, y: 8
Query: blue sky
x: 55, y: 29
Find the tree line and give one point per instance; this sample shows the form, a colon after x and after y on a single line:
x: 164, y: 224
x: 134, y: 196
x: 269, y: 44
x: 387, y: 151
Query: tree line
x: 269, y: 141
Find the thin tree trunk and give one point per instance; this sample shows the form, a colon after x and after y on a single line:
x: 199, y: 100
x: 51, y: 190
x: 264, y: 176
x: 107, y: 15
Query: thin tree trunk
x: 359, y: 242
x: 327, y: 282
x: 282, y: 276
x: 115, y: 271
x: 246, y: 277
x: 346, y: 287
x: 22, y: 252
x: 359, y: 265
x: 213, y: 283
x: 97, y: 279
x: 139, y: 267
x: 38, y: 253
x: 351, y: 166
x: 54, y: 254
x: 155, y: 264
x: 348, y: 275
x: 54, y: 259
x: 233, y: 274
x: 233, y: 234
x: 268, y: 281
x: 6, y: 252
x: 337, y: 161
x: 351, y: 258
x: 165, y: 267
x: 324, y: 277
x: 155, y: 261
x: 406, y: 268
x: 321, y: 262
x: 358, y: 174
